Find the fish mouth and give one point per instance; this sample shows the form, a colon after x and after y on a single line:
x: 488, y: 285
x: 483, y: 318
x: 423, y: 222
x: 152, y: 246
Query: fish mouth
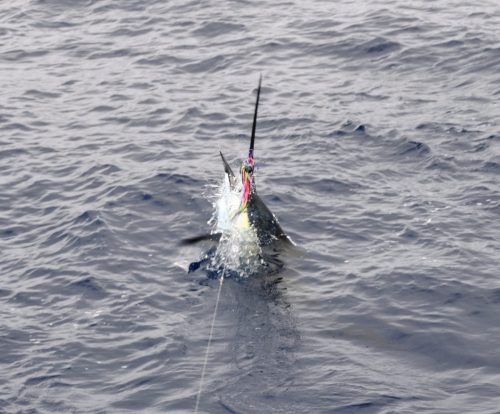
x: 247, y: 180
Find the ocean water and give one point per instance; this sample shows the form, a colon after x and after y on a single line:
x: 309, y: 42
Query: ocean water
x: 378, y: 145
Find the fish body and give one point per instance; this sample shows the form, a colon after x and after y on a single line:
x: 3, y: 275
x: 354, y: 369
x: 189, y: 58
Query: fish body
x: 244, y: 224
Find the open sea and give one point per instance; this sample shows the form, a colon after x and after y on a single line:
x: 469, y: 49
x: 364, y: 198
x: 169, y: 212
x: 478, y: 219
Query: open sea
x: 378, y: 147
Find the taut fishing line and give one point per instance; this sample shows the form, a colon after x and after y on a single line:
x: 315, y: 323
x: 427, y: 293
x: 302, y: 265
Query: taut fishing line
x: 207, y: 352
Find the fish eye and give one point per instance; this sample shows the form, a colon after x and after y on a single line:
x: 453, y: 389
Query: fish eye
x: 248, y: 168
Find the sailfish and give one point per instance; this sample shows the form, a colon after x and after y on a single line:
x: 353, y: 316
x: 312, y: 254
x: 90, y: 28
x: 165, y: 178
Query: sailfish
x: 251, y: 213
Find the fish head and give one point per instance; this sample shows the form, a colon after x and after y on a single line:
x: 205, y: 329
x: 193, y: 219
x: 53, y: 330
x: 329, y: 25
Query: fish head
x: 248, y: 167
x: 247, y: 180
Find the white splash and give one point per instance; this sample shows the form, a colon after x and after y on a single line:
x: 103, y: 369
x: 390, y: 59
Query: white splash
x: 238, y: 248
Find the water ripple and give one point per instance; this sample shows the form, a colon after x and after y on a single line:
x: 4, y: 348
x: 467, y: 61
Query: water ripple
x: 377, y: 147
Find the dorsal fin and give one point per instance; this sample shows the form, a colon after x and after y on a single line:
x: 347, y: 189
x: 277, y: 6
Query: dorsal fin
x: 228, y: 171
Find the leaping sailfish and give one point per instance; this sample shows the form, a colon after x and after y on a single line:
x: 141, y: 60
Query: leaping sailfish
x: 251, y: 212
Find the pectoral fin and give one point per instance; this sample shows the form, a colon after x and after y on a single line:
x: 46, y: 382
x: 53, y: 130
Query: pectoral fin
x: 204, y: 237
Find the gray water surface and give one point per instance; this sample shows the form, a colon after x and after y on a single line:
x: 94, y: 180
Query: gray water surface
x: 378, y: 146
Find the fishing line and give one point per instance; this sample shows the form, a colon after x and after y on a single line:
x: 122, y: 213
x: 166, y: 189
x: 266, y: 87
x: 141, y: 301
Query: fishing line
x: 200, y: 389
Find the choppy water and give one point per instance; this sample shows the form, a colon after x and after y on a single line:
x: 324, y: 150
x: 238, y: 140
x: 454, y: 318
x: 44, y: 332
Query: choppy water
x: 379, y: 146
